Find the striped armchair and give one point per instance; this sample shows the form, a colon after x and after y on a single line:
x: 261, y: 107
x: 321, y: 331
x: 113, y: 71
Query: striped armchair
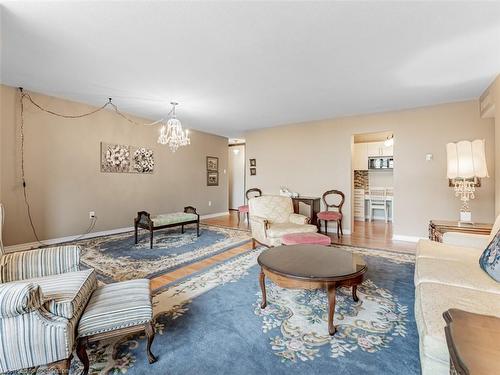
x: 42, y: 295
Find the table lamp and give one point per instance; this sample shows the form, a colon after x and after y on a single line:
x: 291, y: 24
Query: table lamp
x: 466, y: 161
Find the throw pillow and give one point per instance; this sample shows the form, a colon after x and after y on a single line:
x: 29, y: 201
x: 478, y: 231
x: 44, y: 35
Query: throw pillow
x: 490, y: 258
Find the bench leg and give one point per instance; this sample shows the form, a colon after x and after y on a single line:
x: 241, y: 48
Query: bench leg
x: 182, y: 228
x: 81, y: 352
x: 136, y: 234
x: 198, y: 229
x: 62, y: 367
x: 150, y: 238
x: 150, y: 333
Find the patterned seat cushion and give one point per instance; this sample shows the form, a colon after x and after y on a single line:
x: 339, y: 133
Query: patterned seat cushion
x: 116, y: 306
x: 329, y: 215
x: 66, y: 294
x: 173, y: 218
x: 243, y: 209
x: 277, y: 230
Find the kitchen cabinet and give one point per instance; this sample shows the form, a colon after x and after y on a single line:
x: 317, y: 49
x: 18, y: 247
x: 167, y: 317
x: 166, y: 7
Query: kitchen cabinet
x: 360, y: 157
x: 379, y: 149
x: 388, y: 151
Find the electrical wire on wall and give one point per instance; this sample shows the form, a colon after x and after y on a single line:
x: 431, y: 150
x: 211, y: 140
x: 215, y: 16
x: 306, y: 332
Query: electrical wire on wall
x: 26, y: 96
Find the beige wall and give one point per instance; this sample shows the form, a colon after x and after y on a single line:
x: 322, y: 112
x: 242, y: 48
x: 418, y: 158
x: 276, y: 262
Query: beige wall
x: 64, y: 179
x: 496, y: 97
x: 313, y: 157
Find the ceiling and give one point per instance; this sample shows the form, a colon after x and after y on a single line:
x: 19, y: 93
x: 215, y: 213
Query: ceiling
x: 238, y: 66
x: 372, y: 137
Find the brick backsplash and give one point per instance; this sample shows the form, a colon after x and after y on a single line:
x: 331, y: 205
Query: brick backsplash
x: 361, y: 180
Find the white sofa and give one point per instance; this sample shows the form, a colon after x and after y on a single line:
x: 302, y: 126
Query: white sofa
x: 448, y: 275
x: 272, y: 216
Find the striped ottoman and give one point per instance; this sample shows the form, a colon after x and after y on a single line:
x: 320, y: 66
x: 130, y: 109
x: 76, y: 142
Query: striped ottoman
x: 305, y: 238
x: 117, y: 309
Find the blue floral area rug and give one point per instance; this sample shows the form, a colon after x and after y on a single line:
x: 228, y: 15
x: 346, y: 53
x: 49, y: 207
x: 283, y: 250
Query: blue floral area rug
x: 118, y: 258
x: 211, y: 323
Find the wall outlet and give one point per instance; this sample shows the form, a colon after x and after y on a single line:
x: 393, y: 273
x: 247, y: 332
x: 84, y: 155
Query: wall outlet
x: 91, y: 214
x: 209, y: 203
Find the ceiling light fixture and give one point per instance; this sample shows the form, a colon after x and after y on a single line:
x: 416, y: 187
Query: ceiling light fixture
x: 171, y: 133
x: 389, y: 141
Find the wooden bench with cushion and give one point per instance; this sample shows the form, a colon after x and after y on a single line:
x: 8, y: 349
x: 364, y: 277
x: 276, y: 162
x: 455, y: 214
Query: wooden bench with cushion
x: 144, y: 220
x: 118, y: 309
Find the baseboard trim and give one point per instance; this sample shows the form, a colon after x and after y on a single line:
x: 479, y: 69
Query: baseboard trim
x: 54, y: 241
x: 334, y: 230
x: 401, y: 237
x: 209, y: 216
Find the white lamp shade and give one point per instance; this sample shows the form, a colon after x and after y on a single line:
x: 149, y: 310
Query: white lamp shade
x: 466, y: 159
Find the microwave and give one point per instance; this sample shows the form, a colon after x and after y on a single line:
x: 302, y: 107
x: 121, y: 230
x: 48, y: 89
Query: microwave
x: 381, y: 162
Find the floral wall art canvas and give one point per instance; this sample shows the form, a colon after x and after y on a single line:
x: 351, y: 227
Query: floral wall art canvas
x: 126, y: 159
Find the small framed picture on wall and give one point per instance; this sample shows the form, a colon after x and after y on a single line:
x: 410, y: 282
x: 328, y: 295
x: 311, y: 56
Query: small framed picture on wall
x: 253, y: 162
x: 212, y: 178
x: 212, y: 163
x: 253, y: 171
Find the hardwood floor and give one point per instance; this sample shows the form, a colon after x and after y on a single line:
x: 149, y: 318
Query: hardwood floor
x: 376, y: 234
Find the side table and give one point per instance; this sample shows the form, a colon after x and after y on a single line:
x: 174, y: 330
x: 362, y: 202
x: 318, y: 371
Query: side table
x: 473, y: 342
x: 439, y: 227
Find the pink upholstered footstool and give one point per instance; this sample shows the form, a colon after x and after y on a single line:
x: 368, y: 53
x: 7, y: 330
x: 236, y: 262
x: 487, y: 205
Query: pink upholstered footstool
x: 305, y: 238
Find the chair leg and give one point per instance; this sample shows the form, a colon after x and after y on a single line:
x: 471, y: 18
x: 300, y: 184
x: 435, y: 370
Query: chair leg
x: 248, y: 217
x: 341, y: 231
x: 254, y: 244
x: 150, y: 333
x: 326, y: 227
x: 81, y: 352
x: 239, y: 219
x: 338, y: 228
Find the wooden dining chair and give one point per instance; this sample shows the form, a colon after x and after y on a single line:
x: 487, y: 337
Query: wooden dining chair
x: 250, y: 193
x: 328, y: 215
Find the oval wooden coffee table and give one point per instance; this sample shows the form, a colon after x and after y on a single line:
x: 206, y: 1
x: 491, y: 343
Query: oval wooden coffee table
x: 312, y: 267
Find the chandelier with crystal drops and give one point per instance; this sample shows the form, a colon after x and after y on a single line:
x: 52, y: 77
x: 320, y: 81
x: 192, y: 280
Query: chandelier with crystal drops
x: 171, y: 133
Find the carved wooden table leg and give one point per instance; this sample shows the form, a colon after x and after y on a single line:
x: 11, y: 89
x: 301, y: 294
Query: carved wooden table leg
x: 150, y: 333
x: 331, y: 290
x: 81, y: 352
x: 262, y: 281
x: 354, y: 294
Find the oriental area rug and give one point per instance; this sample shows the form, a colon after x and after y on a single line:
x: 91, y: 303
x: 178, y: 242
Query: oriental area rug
x: 211, y: 323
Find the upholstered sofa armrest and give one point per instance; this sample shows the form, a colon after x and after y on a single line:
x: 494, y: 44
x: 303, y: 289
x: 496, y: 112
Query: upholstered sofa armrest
x: 48, y: 261
x: 26, y: 324
x: 19, y: 298
x: 258, y: 220
x: 299, y: 219
x: 259, y: 226
x: 477, y: 241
